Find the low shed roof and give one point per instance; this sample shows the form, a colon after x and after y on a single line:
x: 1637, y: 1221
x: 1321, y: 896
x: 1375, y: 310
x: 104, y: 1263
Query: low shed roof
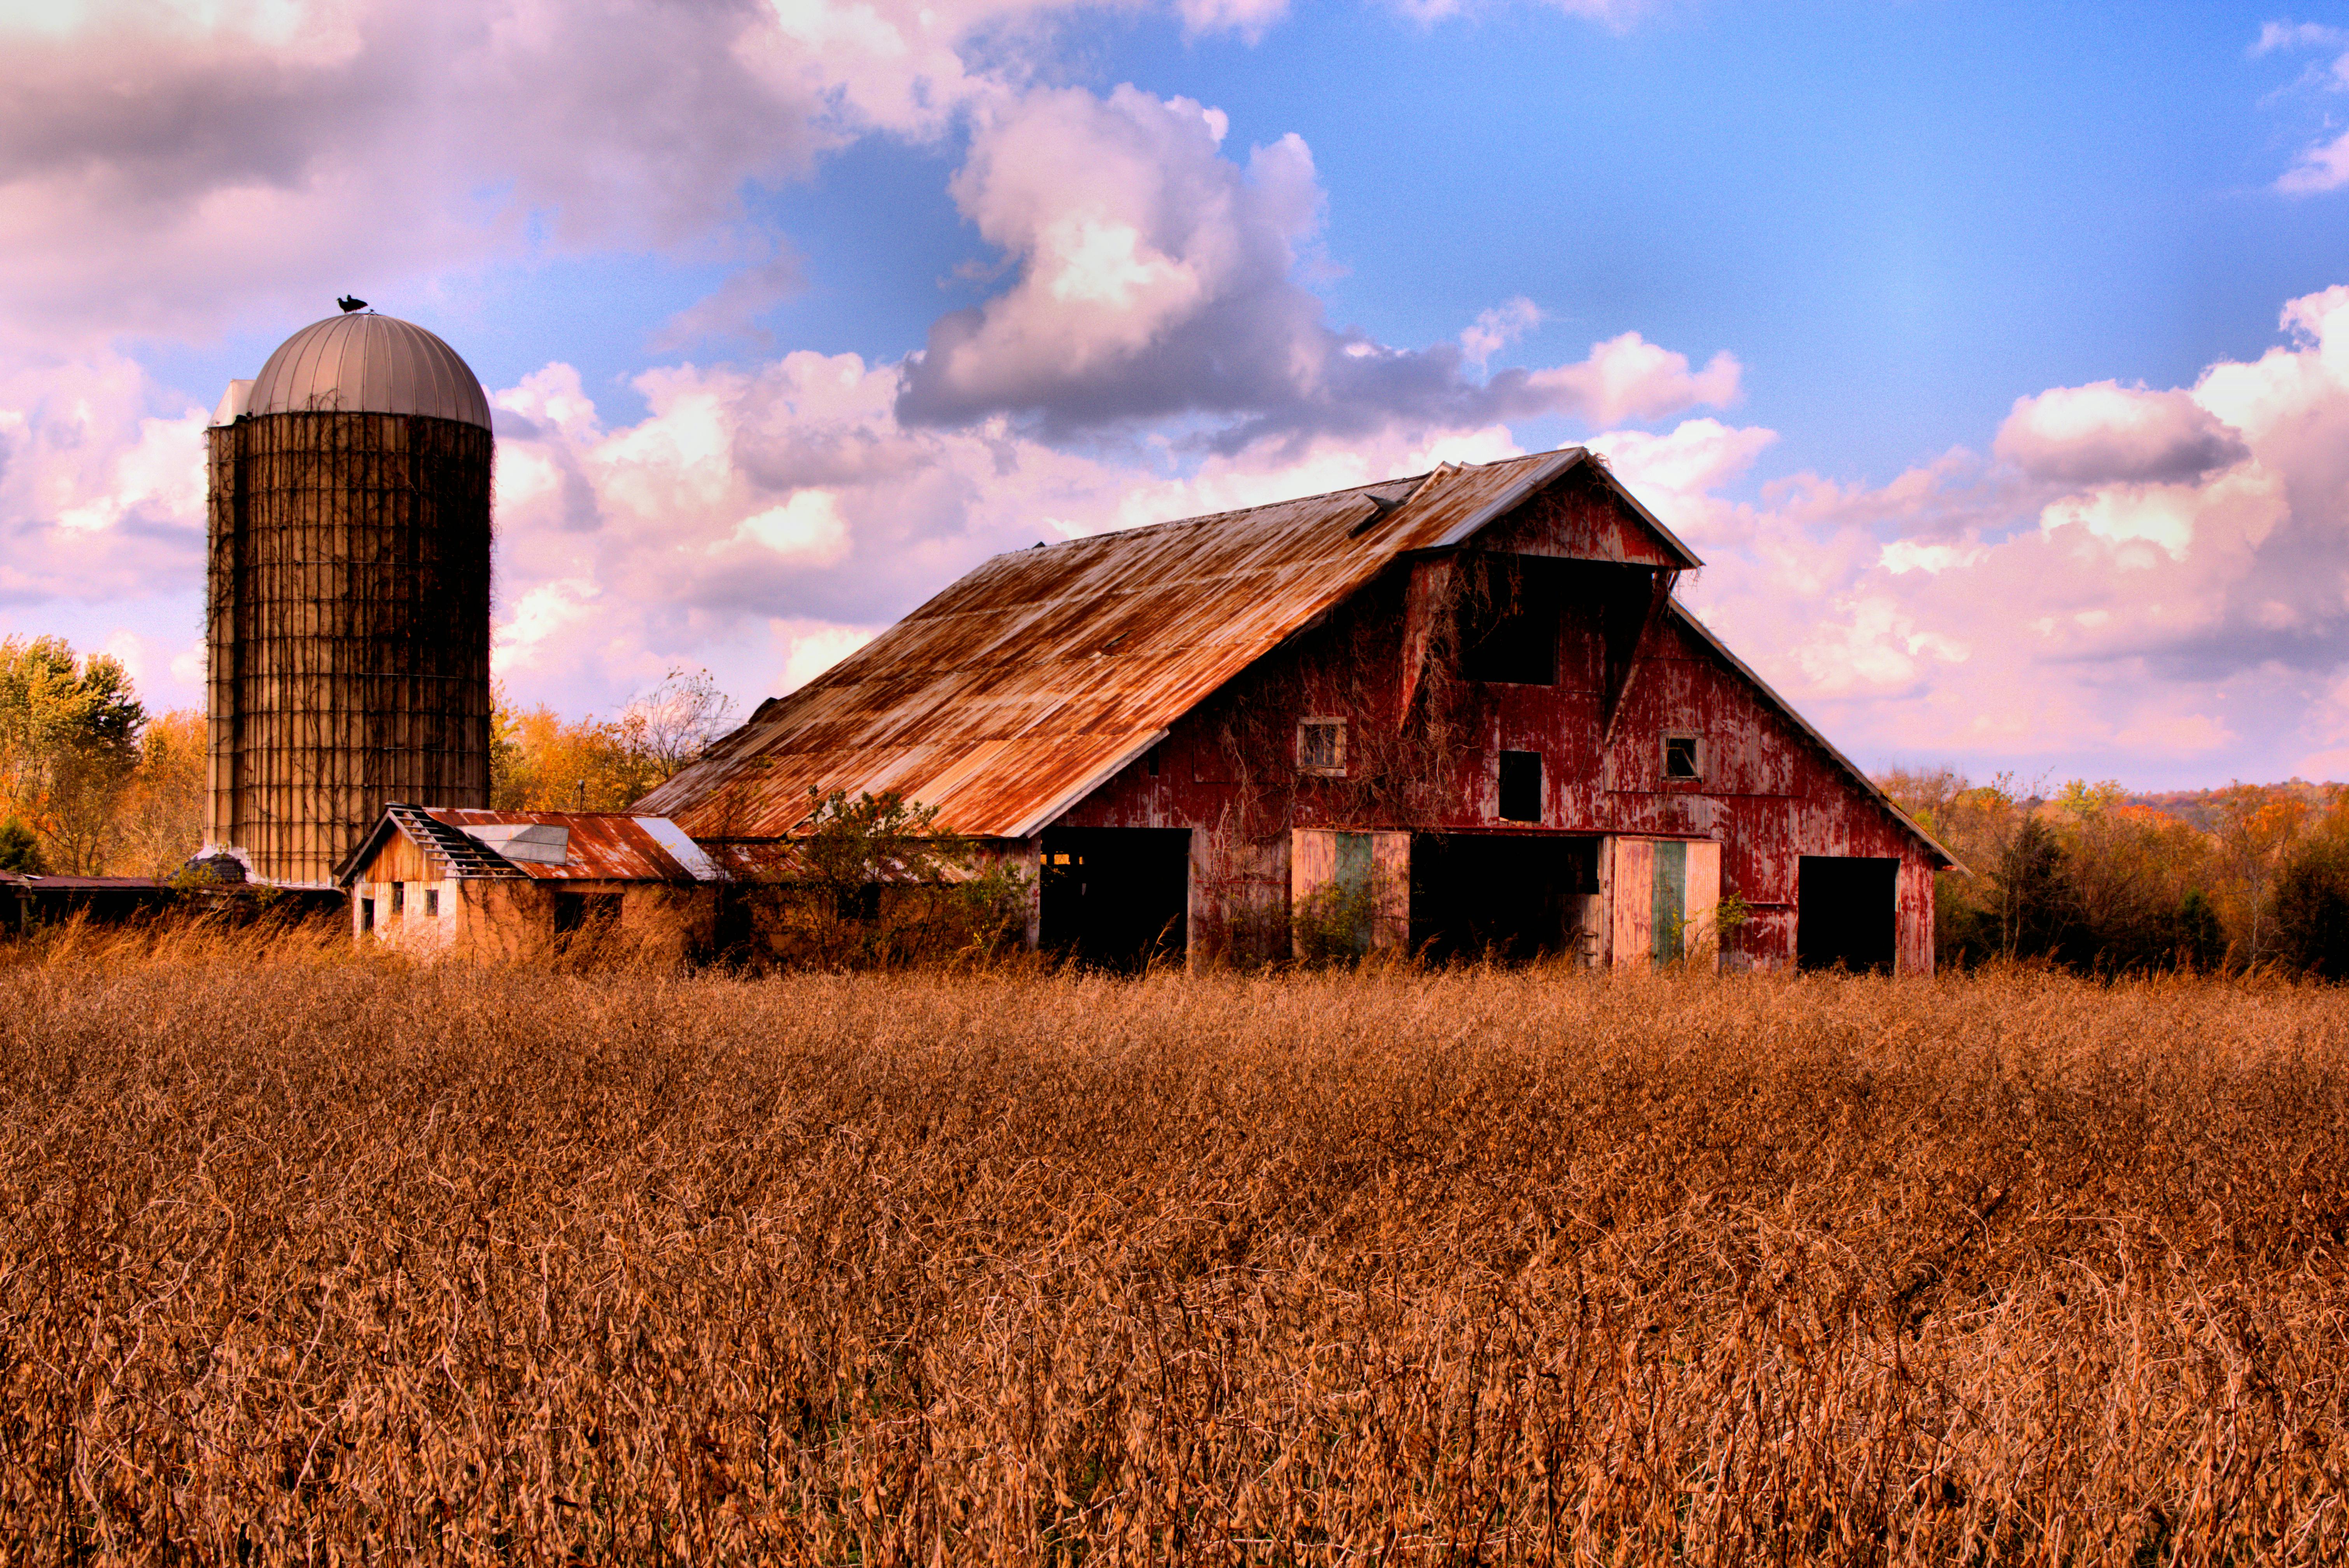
x: 588, y: 846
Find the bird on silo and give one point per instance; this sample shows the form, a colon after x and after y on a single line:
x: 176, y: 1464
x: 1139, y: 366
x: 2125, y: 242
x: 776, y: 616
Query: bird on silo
x: 350, y: 305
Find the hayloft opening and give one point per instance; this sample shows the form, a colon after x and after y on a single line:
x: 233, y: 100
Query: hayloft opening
x: 1520, y: 787
x: 1511, y: 634
x: 1843, y: 912
x: 1515, y: 896
x: 1115, y: 897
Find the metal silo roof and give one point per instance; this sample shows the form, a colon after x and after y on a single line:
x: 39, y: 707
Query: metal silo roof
x: 368, y: 364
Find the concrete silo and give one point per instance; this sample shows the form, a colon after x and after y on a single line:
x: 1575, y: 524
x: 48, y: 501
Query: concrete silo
x: 348, y: 594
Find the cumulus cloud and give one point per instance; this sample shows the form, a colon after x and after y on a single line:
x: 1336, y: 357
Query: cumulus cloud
x: 1155, y: 279
x: 2105, y: 433
x: 2141, y: 578
x: 160, y: 169
x: 99, y: 497
x: 765, y: 520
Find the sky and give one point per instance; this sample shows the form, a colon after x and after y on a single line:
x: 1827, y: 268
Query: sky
x: 1994, y: 357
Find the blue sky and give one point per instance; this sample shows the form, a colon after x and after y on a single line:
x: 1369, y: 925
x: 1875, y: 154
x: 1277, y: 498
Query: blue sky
x: 1988, y: 352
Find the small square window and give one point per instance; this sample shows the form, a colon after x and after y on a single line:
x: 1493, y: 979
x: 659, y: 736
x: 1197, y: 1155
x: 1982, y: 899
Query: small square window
x: 1322, y: 747
x: 432, y: 904
x: 1521, y: 787
x: 1684, y: 756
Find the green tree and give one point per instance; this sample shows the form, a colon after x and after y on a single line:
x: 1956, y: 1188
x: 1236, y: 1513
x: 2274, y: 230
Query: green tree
x: 69, y: 730
x: 20, y: 848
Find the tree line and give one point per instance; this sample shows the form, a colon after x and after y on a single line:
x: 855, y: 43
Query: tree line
x: 2250, y: 876
x: 94, y: 784
x: 91, y: 783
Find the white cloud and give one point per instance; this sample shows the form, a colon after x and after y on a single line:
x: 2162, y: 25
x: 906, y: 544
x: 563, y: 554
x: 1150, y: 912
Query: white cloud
x: 2146, y: 577
x: 1495, y: 329
x: 2274, y: 36
x: 2321, y: 167
x: 1155, y: 279
x: 2106, y: 432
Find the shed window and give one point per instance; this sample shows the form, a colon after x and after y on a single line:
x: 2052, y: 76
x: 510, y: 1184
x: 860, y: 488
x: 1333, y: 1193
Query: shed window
x: 1521, y: 787
x: 1321, y: 746
x: 432, y: 904
x: 366, y: 915
x: 398, y: 897
x: 1684, y: 756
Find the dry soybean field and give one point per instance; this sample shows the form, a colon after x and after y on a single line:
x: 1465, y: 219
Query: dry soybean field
x: 308, y: 1259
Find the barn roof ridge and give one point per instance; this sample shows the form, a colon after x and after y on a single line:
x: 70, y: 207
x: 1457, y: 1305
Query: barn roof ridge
x: 1229, y: 514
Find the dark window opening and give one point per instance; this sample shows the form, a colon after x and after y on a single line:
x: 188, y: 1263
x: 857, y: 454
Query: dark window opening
x: 1508, y: 896
x: 1116, y: 897
x: 585, y: 912
x: 1516, y: 645
x: 1521, y: 787
x: 1681, y: 758
x: 366, y: 915
x: 398, y: 897
x: 1844, y: 913
x: 432, y: 904
x: 1321, y: 746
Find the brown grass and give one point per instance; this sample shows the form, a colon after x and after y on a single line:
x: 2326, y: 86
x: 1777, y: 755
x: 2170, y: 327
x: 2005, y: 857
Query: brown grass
x: 308, y: 1259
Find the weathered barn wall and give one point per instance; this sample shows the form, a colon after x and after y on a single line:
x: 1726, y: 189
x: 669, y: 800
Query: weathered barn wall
x: 1768, y: 793
x: 349, y: 629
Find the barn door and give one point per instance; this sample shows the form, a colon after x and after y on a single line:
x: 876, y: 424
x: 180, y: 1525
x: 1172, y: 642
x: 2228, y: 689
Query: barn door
x: 1665, y: 892
x: 1348, y: 892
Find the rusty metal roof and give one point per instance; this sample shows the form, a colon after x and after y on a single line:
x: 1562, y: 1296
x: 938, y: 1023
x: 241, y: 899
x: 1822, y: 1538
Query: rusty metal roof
x: 1022, y: 687
x: 600, y: 846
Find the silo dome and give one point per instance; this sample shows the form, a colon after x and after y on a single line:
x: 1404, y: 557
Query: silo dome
x: 368, y: 364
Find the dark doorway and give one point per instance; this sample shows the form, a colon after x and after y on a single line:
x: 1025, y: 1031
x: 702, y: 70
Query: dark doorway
x: 585, y: 912
x: 1515, y: 896
x: 1845, y: 912
x: 1117, y: 897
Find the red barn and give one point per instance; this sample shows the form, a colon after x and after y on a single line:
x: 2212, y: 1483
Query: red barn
x: 1460, y: 711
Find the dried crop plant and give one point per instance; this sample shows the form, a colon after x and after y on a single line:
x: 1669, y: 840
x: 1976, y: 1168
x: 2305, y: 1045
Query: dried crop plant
x: 312, y: 1260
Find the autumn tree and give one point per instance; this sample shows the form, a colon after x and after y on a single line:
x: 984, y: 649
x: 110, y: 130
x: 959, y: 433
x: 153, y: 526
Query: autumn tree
x: 541, y: 761
x: 160, y: 818
x: 69, y: 729
x: 2257, y: 828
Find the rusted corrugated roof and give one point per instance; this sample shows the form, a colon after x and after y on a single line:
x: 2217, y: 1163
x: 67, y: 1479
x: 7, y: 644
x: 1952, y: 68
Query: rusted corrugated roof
x: 598, y: 846
x: 608, y: 845
x: 1010, y: 695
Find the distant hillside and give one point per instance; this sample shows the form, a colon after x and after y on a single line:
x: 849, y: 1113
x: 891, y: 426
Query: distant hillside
x: 2200, y: 807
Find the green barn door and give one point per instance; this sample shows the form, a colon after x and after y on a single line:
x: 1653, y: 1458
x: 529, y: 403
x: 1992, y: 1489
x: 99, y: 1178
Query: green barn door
x: 1355, y: 903
x: 1668, y: 911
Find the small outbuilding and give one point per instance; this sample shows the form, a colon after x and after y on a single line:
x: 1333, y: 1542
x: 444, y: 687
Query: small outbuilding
x: 493, y: 884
